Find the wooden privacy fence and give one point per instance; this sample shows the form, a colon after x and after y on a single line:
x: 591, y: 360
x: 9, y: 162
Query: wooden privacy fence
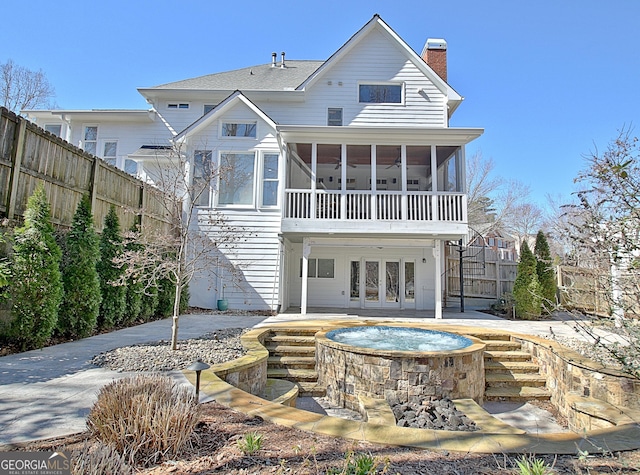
x: 487, y: 277
x: 584, y: 290
x: 29, y: 156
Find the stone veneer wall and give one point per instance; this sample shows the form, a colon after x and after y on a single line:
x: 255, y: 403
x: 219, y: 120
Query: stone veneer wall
x: 248, y: 372
x: 569, y: 374
x: 348, y: 372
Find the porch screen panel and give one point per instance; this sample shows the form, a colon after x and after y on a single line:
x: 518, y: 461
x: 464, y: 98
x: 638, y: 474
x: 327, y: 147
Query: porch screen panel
x: 329, y: 169
x: 299, y: 166
x: 449, y: 169
x: 359, y: 166
x: 388, y: 168
x: 419, y: 168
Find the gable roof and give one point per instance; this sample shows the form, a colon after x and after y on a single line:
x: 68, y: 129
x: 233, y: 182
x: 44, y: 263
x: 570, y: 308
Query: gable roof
x: 213, y: 114
x: 254, y: 78
x: 377, y: 23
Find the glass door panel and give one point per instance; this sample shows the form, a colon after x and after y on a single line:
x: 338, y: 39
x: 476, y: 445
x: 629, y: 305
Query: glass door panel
x: 354, y: 281
x: 392, y: 283
x: 409, y: 283
x: 372, y: 282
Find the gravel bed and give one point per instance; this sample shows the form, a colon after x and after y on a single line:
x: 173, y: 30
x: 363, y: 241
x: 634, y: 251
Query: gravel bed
x: 215, y: 347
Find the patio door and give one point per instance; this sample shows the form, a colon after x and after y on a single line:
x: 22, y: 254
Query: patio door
x: 381, y: 281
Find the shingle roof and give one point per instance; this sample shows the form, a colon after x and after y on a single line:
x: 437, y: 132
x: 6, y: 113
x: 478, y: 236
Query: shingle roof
x: 261, y: 77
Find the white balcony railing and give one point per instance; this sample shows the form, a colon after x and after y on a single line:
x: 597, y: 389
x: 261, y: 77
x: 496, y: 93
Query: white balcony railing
x: 383, y: 205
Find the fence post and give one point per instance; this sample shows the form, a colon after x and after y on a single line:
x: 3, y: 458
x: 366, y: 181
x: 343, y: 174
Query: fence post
x: 16, y: 160
x: 141, y: 207
x: 92, y: 184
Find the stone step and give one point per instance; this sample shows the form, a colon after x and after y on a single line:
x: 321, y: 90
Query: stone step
x: 300, y: 362
x: 285, y: 350
x: 310, y: 389
x: 502, y: 345
x: 495, y: 380
x: 490, y: 336
x: 294, y: 331
x: 510, y: 367
x: 292, y: 374
x: 519, y: 394
x: 291, y: 340
x: 493, y: 355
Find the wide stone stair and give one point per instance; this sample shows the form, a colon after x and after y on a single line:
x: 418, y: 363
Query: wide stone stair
x: 292, y: 357
x: 510, y: 374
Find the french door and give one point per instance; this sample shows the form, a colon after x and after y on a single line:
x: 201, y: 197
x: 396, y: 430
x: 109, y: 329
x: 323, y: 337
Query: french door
x: 386, y: 283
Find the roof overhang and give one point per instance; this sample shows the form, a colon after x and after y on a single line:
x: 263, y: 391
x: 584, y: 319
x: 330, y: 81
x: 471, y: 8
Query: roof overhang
x: 120, y: 115
x: 379, y: 135
x: 217, y: 95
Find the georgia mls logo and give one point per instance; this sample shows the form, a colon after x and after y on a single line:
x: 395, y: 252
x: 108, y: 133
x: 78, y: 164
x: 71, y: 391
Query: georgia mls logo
x: 35, y: 463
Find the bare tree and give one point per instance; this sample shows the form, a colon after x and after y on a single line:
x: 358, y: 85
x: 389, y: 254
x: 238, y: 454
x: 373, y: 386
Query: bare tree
x: 524, y: 220
x: 21, y: 88
x: 491, y: 199
x: 199, y: 240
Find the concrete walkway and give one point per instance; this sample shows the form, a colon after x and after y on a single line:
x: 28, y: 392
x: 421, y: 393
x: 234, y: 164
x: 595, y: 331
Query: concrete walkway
x: 49, y: 392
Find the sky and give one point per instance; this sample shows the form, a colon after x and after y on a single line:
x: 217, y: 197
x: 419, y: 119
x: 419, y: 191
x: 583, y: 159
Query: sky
x: 550, y: 81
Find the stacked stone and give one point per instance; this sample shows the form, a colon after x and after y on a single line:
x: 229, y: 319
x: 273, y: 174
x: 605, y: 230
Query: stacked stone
x: 438, y: 414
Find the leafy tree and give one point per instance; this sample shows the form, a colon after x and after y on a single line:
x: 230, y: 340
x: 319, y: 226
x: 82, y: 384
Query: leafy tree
x: 526, y: 288
x: 21, y: 88
x: 545, y: 272
x: 81, y: 254
x: 114, y: 292
x: 36, y: 286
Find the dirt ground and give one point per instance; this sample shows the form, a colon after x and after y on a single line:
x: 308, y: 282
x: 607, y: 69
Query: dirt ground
x: 215, y: 449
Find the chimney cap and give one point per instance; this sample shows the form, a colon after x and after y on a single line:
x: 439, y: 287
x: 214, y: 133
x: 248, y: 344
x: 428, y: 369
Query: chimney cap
x: 435, y: 43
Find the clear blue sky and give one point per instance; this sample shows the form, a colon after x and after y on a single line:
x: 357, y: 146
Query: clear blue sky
x: 548, y: 80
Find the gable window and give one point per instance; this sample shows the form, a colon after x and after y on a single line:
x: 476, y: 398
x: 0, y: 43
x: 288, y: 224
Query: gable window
x: 55, y: 129
x: 334, y: 116
x: 239, y: 129
x: 237, y: 172
x: 380, y: 93
x: 177, y: 105
x: 109, y: 152
x: 201, y: 187
x: 270, y: 180
x: 90, y: 139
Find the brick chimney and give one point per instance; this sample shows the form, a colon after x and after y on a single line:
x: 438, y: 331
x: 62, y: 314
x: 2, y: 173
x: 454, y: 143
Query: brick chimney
x: 434, y: 54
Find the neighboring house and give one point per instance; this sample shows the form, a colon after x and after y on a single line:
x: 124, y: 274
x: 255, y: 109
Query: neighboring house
x: 502, y: 244
x: 346, y: 170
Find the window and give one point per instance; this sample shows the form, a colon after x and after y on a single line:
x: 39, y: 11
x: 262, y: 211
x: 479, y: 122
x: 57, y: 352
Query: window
x: 319, y: 268
x: 201, y: 187
x: 109, y: 152
x: 90, y: 139
x: 236, y: 179
x: 270, y: 179
x: 131, y: 167
x: 230, y: 129
x: 380, y: 93
x: 55, y: 129
x: 177, y: 105
x: 208, y: 108
x: 334, y: 116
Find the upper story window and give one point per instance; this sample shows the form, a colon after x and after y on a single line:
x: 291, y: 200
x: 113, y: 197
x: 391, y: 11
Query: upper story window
x: 178, y: 105
x: 334, y: 116
x: 236, y: 187
x: 380, y: 93
x: 201, y: 187
x: 208, y: 108
x: 55, y: 129
x: 239, y: 129
x: 109, y: 152
x: 270, y: 180
x: 90, y: 139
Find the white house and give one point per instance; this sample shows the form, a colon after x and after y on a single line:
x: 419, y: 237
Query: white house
x: 346, y: 170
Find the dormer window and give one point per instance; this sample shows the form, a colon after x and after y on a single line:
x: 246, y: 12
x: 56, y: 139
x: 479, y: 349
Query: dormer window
x: 380, y: 93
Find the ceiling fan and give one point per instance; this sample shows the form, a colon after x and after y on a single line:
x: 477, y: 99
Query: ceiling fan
x: 339, y: 163
x: 396, y: 163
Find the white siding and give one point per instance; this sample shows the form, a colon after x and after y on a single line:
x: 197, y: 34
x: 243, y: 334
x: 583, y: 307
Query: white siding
x: 252, y: 265
x: 375, y: 60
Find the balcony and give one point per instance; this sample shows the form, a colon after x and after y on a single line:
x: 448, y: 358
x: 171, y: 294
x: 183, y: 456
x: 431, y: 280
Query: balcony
x: 389, y: 212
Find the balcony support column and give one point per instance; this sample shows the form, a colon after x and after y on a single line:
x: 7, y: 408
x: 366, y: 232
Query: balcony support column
x: 438, y: 278
x: 306, y: 252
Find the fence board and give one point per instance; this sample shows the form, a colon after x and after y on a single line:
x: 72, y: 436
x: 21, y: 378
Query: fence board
x: 68, y: 173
